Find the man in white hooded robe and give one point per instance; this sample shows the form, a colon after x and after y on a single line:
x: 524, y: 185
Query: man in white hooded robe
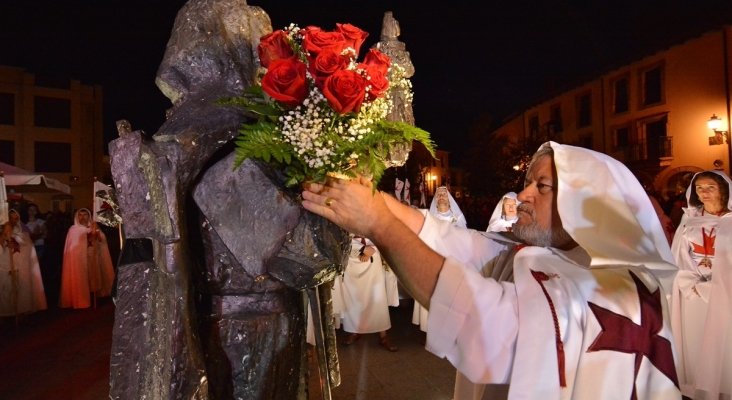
x: 586, y: 315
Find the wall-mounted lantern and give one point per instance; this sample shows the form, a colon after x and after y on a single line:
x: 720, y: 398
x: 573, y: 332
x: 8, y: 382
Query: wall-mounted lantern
x: 720, y: 136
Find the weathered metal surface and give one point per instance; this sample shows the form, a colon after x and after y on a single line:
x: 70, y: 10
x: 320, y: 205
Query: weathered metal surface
x: 206, y: 318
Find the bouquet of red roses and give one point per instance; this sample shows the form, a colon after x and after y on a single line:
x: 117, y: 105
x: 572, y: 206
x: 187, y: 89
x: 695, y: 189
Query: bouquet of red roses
x: 321, y: 112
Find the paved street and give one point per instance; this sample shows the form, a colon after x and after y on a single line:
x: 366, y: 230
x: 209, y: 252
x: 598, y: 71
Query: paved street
x: 64, y: 355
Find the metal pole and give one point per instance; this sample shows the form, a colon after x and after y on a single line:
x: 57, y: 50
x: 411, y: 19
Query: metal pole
x: 314, y: 301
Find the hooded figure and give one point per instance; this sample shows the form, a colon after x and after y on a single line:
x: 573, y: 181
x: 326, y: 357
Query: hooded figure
x: 504, y: 215
x: 21, y: 286
x: 585, y: 315
x: 444, y: 208
x: 87, y: 265
x: 701, y: 301
x: 582, y: 321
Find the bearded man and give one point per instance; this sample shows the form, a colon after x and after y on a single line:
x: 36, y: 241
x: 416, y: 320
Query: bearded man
x: 574, y: 309
x: 444, y: 207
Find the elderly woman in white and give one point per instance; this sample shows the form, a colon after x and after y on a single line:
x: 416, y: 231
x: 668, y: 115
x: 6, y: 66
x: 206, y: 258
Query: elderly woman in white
x: 21, y: 286
x: 505, y: 214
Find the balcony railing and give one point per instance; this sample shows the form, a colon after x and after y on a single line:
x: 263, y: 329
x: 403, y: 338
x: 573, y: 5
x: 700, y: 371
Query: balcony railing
x: 645, y: 151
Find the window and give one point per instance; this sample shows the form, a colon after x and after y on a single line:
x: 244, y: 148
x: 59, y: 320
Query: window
x: 584, y: 110
x: 585, y: 141
x: 620, y: 95
x: 621, y: 138
x: 7, y: 151
x: 652, y: 85
x: 534, y: 126
x: 652, y: 141
x: 655, y: 132
x: 51, y: 112
x: 59, y: 162
x: 555, y: 124
x: 7, y: 109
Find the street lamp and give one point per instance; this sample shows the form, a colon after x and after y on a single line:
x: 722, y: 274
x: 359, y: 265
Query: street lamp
x: 720, y: 136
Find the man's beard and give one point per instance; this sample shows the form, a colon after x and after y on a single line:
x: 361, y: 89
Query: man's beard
x: 533, y: 235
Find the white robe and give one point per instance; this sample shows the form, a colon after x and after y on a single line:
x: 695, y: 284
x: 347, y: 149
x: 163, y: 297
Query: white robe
x: 420, y: 314
x: 495, y: 331
x: 501, y: 224
x: 86, y: 268
x: 21, y: 285
x: 702, y: 306
x: 498, y: 221
x: 362, y: 291
x: 501, y: 332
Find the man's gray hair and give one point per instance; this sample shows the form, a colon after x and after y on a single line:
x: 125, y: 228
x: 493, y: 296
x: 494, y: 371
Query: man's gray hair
x: 532, y: 234
x: 544, y: 150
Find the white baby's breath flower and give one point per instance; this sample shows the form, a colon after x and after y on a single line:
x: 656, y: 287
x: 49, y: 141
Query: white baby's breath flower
x: 316, y: 134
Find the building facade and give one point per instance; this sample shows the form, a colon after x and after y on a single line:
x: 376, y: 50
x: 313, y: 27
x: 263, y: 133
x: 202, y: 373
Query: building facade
x: 52, y: 126
x: 652, y: 114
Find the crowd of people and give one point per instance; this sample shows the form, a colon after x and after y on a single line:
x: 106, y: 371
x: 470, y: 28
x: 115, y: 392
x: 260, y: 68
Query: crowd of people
x: 576, y: 295
x: 48, y: 261
x: 579, y: 286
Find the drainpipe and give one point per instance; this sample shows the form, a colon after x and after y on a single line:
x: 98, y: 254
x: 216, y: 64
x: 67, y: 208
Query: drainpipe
x: 603, y: 112
x: 725, y: 54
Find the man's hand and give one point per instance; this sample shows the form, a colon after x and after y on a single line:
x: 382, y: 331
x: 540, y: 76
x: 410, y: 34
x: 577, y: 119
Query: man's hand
x: 353, y: 205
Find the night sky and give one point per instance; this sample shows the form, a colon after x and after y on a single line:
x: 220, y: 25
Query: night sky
x: 471, y: 64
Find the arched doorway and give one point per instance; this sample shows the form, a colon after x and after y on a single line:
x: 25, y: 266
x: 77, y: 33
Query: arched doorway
x: 673, y: 183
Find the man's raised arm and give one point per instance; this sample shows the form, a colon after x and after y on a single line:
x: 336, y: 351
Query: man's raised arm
x: 392, y: 226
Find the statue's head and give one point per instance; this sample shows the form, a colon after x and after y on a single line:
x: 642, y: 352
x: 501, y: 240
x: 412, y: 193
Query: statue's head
x: 213, y: 43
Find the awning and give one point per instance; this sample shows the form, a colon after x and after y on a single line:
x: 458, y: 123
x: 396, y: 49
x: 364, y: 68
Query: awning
x: 20, y: 180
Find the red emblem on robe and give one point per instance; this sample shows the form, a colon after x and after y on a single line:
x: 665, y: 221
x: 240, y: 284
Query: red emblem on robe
x: 620, y: 333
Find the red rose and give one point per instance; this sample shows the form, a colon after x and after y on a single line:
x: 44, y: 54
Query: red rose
x: 345, y: 91
x: 353, y: 34
x: 377, y: 81
x: 314, y: 40
x: 285, y: 81
x: 274, y: 46
x: 325, y: 64
x: 375, y: 59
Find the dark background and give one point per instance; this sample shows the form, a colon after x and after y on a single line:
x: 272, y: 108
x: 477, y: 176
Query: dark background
x: 474, y: 64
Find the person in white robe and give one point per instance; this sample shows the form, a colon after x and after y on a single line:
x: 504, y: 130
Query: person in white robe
x: 505, y: 214
x: 701, y: 304
x: 38, y: 230
x: 445, y: 208
x: 87, y: 268
x: 21, y: 285
x: 586, y: 316
x: 362, y: 301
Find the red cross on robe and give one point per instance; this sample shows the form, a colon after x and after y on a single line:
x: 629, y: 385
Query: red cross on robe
x: 620, y: 333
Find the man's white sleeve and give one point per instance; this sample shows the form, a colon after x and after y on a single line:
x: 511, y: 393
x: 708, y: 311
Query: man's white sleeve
x: 473, y: 321
x: 465, y: 245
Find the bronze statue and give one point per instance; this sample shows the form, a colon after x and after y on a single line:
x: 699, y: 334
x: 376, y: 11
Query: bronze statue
x: 210, y: 280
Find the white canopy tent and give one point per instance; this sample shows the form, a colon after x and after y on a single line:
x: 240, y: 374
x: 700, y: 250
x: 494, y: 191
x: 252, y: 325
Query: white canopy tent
x: 18, y: 180
x: 23, y: 181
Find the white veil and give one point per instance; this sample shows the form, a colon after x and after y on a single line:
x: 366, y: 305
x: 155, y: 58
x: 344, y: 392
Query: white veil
x: 610, y: 203
x: 457, y: 214
x: 497, y: 223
